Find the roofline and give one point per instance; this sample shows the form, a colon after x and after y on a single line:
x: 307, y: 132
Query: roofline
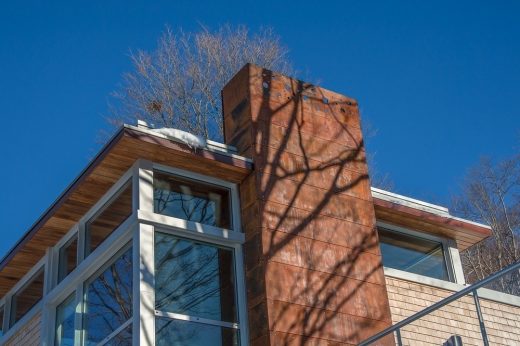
x: 407, y: 202
x: 60, y: 199
x: 213, y: 147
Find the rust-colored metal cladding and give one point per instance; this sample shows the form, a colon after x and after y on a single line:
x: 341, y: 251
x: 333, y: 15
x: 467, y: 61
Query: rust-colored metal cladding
x: 313, y: 266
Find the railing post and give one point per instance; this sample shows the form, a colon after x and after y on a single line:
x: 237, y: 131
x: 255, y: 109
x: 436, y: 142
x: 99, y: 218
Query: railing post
x: 480, y: 318
x: 399, y: 342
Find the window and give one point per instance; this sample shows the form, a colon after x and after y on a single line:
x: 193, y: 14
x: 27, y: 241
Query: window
x: 65, y: 313
x: 27, y: 297
x: 108, y: 307
x: 413, y: 254
x: 68, y: 258
x: 108, y: 219
x: 195, y: 298
x: 191, y: 200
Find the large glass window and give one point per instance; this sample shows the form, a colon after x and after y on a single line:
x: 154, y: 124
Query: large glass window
x: 191, y: 200
x: 68, y: 258
x: 108, y: 306
x: 108, y: 219
x: 194, y: 293
x: 27, y: 297
x: 413, y: 254
x: 65, y: 313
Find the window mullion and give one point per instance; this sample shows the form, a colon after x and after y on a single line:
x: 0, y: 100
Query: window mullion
x: 7, y: 313
x: 115, y: 332
x: 188, y: 318
x: 78, y: 318
x: 146, y: 287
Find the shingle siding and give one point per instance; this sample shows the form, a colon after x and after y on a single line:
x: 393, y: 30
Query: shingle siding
x: 502, y: 321
x: 28, y: 335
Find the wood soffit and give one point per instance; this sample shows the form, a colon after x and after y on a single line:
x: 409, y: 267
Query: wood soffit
x: 465, y: 233
x: 118, y: 155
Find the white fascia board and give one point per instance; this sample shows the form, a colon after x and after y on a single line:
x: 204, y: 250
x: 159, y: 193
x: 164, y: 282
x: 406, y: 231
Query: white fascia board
x: 420, y: 205
x: 409, y: 202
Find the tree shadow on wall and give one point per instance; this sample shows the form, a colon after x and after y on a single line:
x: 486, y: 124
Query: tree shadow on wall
x: 311, y: 228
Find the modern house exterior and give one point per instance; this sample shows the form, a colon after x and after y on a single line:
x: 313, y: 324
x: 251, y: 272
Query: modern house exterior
x: 273, y: 238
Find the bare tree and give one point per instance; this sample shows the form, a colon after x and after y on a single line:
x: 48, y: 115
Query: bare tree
x: 491, y: 194
x: 178, y: 85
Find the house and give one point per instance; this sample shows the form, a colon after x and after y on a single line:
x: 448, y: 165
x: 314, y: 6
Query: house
x: 274, y: 238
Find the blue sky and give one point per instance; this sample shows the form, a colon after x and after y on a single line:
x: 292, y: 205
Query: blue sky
x: 439, y: 81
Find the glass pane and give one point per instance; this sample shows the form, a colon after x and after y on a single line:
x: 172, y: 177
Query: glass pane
x: 413, y: 254
x: 122, y: 339
x: 27, y: 297
x: 68, y: 258
x: 194, y: 279
x: 108, y: 300
x: 176, y: 332
x: 191, y: 200
x: 113, y: 214
x: 65, y: 313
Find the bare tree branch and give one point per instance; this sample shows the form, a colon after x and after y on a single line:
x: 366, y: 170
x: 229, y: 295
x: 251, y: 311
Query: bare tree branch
x: 178, y: 84
x: 491, y: 194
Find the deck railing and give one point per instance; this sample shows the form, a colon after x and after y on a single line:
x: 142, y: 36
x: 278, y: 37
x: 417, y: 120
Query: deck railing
x: 470, y: 290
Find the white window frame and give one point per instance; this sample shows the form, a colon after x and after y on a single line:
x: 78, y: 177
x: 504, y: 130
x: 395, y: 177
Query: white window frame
x: 87, y: 266
x: 139, y: 229
x: 115, y: 256
x: 150, y: 223
x: 449, y: 248
x: 6, y: 301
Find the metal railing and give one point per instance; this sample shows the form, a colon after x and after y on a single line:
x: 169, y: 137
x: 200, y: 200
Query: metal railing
x: 468, y: 290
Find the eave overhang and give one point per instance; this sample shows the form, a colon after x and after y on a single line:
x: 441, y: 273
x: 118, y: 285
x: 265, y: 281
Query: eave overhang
x: 436, y: 220
x: 117, y: 156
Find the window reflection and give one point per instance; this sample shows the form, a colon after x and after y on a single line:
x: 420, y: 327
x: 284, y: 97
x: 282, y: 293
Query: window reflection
x: 109, y: 301
x: 191, y: 200
x: 111, y: 216
x: 26, y: 298
x: 68, y: 258
x: 65, y: 313
x: 194, y: 279
x: 413, y: 254
x: 182, y: 333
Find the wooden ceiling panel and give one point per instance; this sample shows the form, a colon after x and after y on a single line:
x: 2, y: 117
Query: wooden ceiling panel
x: 128, y: 145
x: 465, y: 233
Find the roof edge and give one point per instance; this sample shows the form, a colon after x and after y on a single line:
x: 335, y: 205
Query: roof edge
x: 60, y: 199
x: 408, y: 202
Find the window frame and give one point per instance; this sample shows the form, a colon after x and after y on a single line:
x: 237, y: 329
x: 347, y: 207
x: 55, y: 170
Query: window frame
x: 151, y: 222
x: 65, y: 241
x: 192, y: 318
x: 195, y: 177
x: 91, y: 278
x: 6, y: 302
x: 111, y: 196
x: 27, y: 283
x: 448, y: 249
x: 87, y: 266
x: 138, y: 230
